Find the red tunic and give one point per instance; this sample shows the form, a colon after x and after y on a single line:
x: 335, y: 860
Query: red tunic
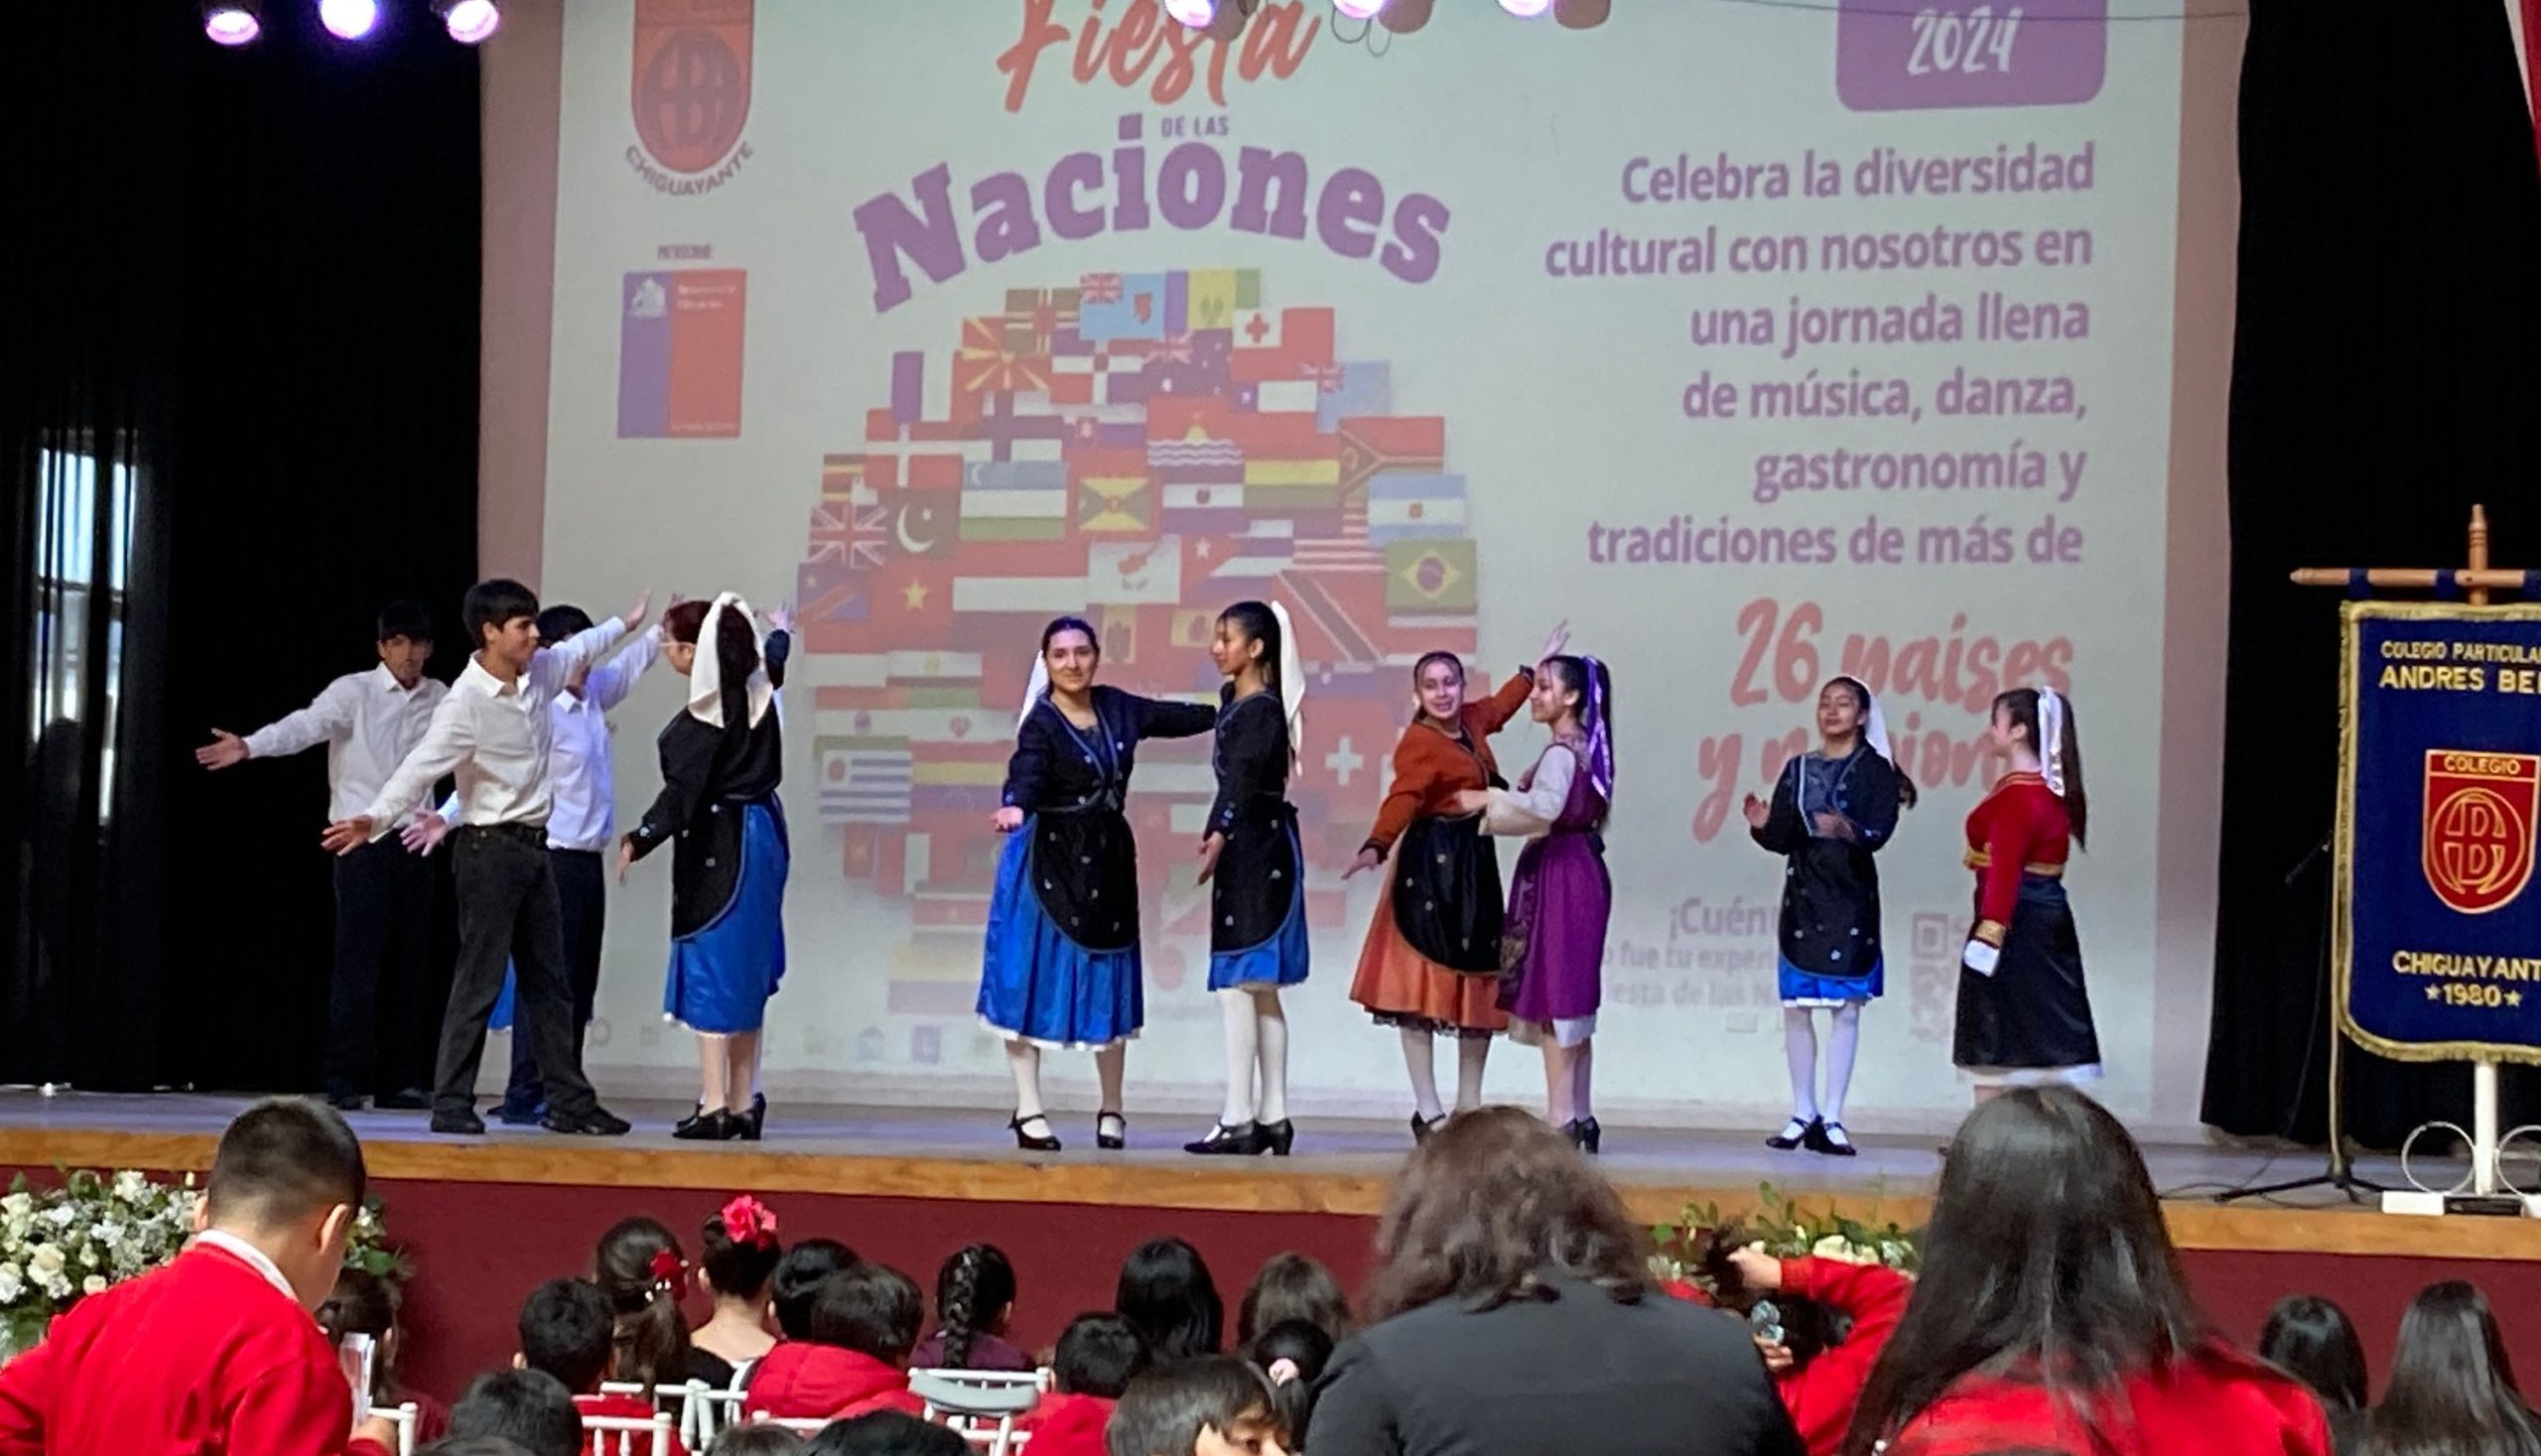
x: 201, y: 1358
x: 2018, y: 829
x: 2219, y: 1402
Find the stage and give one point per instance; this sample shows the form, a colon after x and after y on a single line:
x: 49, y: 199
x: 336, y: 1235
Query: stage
x: 486, y: 1217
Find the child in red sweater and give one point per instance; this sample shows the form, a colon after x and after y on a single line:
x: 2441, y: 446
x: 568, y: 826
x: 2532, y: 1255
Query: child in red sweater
x: 863, y: 1324
x: 1098, y: 1355
x: 216, y: 1354
x: 1819, y: 1373
x: 568, y: 1331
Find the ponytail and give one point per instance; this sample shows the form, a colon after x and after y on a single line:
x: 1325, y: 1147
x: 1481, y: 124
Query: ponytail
x: 640, y: 1268
x: 2076, y: 804
x: 972, y: 1290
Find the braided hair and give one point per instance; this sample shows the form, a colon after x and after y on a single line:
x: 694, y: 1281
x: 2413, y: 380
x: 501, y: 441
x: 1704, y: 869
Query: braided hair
x: 972, y: 1292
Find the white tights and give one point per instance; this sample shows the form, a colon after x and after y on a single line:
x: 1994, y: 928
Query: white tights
x: 1799, y: 1049
x: 1023, y: 1060
x: 1419, y: 1058
x: 1256, y: 1041
x: 726, y: 1070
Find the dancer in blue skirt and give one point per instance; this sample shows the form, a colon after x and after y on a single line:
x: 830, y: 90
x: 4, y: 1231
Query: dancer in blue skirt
x: 1061, y: 967
x: 722, y: 757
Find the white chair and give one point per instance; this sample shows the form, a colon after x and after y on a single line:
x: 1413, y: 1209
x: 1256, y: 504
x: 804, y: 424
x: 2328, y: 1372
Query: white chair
x: 617, y: 1435
x: 798, y: 1426
x: 704, y: 1411
x: 403, y: 1417
x: 982, y: 1405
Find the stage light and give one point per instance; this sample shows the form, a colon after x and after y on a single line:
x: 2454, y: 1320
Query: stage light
x: 1526, y: 9
x: 232, y: 22
x: 1359, y: 9
x: 1194, y: 13
x: 469, y: 21
x: 351, y: 20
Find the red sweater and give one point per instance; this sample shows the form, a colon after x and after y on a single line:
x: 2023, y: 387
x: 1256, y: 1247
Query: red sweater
x: 800, y: 1380
x: 1821, y: 1394
x: 2219, y: 1403
x: 201, y: 1358
x: 622, y: 1407
x: 1068, y: 1425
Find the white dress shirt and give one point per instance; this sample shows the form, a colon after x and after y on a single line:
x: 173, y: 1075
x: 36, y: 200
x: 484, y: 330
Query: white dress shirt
x: 368, y: 722
x: 578, y: 772
x: 251, y: 1255
x: 493, y: 737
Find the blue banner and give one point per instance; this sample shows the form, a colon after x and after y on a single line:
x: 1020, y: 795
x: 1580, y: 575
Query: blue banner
x: 2436, y: 929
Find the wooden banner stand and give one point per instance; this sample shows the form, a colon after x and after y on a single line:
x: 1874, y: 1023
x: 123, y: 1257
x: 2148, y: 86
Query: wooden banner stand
x: 2487, y: 1191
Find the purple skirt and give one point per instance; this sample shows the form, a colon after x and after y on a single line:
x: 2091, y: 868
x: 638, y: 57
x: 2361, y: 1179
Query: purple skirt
x: 1559, y: 902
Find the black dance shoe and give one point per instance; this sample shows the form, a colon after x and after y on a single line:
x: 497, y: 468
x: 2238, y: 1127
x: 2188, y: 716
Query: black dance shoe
x: 1110, y: 1132
x: 1590, y: 1135
x: 1280, y: 1135
x: 704, y: 1126
x: 592, y: 1121
x: 1786, y: 1140
x: 1247, y: 1139
x: 1029, y: 1143
x: 1423, y: 1127
x: 757, y: 1122
x: 1832, y: 1140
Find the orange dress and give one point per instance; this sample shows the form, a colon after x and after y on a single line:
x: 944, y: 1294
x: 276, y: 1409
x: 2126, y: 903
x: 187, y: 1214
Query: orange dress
x: 1398, y: 985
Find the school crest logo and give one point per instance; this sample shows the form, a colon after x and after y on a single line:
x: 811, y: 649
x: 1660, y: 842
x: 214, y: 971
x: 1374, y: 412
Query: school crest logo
x: 2479, y: 820
x: 690, y: 88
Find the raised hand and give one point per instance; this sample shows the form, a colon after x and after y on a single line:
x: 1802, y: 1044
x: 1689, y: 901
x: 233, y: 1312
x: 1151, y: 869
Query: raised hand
x: 634, y: 616
x: 780, y: 617
x: 1757, y: 811
x: 1559, y: 639
x: 224, y: 751
x: 346, y: 835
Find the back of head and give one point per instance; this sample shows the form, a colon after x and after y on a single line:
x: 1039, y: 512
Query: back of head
x: 282, y: 1162
x: 1167, y: 1294
x: 407, y: 619
x: 363, y: 1303
x: 567, y: 1331
x: 2312, y: 1340
x: 475, y: 1446
x: 560, y: 622
x: 1099, y: 1355
x: 738, y: 1249
x: 1489, y: 1208
x: 757, y: 1438
x: 887, y: 1433
x: 2046, y: 1251
x: 1292, y: 1286
x: 1163, y: 1411
x: 869, y: 1310
x: 493, y: 603
x: 1294, y: 1355
x: 973, y: 1289
x: 2452, y: 1390
x: 639, y: 1268
x: 528, y: 1407
x: 798, y: 1278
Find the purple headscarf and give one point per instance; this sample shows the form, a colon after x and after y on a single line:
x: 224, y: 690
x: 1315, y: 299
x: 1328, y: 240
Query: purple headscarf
x: 1601, y: 742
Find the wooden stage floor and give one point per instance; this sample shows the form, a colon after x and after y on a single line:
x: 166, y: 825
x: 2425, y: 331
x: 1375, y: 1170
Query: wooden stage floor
x: 1342, y: 1167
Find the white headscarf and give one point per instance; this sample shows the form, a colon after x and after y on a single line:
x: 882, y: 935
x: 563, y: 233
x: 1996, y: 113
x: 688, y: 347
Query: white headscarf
x: 1033, y: 690
x: 1293, y: 684
x: 706, y: 675
x: 1874, y: 722
x: 2050, y: 738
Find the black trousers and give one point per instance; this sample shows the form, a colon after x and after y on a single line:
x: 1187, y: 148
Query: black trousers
x: 508, y: 909
x: 582, y: 894
x: 377, y: 1039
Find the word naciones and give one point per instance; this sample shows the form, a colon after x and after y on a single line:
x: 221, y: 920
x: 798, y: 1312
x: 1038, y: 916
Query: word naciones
x: 1192, y: 187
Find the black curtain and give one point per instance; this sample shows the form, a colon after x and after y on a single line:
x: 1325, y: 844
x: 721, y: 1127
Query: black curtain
x: 2385, y: 366
x: 255, y: 311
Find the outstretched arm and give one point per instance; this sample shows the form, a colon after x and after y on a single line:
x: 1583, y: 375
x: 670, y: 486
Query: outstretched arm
x: 1531, y: 811
x: 446, y: 746
x: 327, y: 717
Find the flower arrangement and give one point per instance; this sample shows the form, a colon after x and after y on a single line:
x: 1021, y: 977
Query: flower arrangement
x: 58, y: 1246
x: 1785, y: 1230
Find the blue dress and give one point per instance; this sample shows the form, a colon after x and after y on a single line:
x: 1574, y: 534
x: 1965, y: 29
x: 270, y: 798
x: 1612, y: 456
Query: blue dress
x: 1258, y: 896
x: 1829, y: 942
x: 1060, y: 966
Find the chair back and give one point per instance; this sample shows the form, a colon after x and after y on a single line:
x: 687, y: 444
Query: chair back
x: 797, y: 1424
x: 403, y: 1417
x: 627, y: 1435
x: 982, y: 1405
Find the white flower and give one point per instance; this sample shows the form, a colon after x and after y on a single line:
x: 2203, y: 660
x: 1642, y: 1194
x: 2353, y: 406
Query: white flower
x: 131, y: 1186
x: 46, y: 1262
x: 1835, y: 1247
x: 56, y: 1286
x: 62, y: 1215
x: 12, y: 1283
x: 17, y: 1205
x: 94, y: 1284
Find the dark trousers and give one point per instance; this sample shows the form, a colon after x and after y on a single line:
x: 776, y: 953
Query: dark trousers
x: 509, y: 907
x: 376, y: 1019
x: 583, y: 896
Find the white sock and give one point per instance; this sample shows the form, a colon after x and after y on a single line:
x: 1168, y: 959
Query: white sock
x: 1419, y: 1058
x: 1235, y: 1005
x: 1023, y: 1059
x: 1843, y: 1038
x: 1273, y: 1034
x: 1799, y: 1049
x: 1473, y: 1054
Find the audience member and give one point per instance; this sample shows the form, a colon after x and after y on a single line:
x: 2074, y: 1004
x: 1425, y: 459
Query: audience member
x: 757, y: 1438
x: 864, y: 1321
x: 1293, y: 1286
x: 1820, y: 1324
x: 567, y: 1331
x: 1099, y: 1355
x: 887, y: 1433
x: 2452, y: 1390
x: 363, y: 1303
x: 473, y: 1447
x: 798, y: 1280
x: 528, y: 1407
x: 216, y: 1351
x: 1205, y: 1406
x: 640, y: 1267
x: 2051, y: 1311
x: 737, y: 1255
x: 973, y: 1303
x: 1167, y: 1294
x: 1294, y: 1355
x: 1511, y: 1319
x: 2312, y: 1340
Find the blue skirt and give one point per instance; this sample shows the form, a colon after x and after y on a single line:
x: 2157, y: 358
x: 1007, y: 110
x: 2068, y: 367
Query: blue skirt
x: 1278, y: 961
x: 1809, y: 989
x: 1038, y: 986
x: 722, y: 975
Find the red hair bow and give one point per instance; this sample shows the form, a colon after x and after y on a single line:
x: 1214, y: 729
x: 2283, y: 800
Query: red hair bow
x: 748, y: 1221
x: 667, y: 1267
